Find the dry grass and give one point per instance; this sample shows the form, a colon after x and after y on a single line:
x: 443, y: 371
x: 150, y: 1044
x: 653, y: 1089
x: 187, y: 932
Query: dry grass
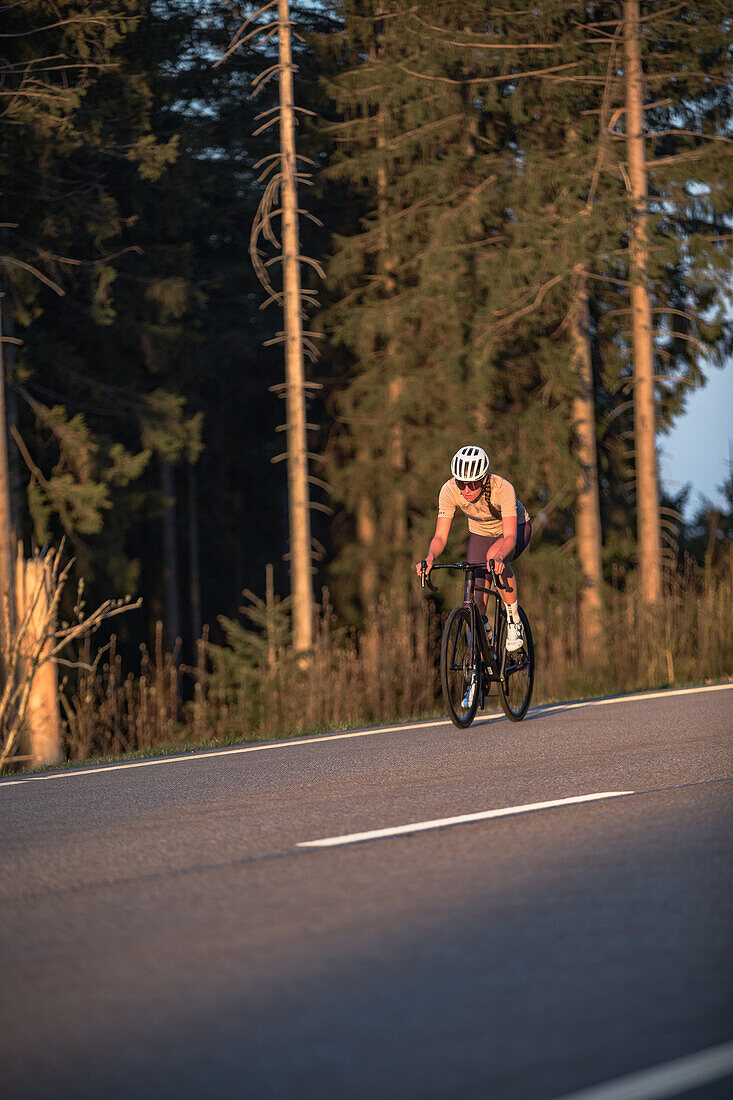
x: 689, y: 641
x: 388, y: 671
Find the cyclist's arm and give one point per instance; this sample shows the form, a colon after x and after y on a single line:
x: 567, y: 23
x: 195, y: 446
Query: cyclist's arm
x: 438, y: 541
x: 503, y: 548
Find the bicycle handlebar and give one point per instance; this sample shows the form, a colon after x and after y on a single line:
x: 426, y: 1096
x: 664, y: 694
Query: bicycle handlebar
x: 465, y: 566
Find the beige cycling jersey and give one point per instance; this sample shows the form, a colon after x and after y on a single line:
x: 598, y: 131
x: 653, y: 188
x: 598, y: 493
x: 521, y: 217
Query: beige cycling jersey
x: 482, y: 519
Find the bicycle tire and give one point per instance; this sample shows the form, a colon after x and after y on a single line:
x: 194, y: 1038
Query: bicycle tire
x: 515, y: 692
x: 460, y: 660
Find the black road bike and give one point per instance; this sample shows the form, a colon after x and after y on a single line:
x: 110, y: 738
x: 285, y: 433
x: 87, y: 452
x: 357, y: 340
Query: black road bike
x: 474, y: 656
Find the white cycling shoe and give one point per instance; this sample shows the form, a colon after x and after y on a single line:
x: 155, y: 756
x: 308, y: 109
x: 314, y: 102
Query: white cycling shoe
x: 514, y: 637
x: 467, y: 700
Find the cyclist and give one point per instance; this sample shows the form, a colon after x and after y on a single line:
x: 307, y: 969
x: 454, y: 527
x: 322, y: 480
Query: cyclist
x: 499, y: 527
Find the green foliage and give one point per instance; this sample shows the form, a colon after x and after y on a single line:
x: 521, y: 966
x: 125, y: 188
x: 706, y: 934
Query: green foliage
x: 165, y: 429
x: 256, y: 648
x: 488, y: 182
x: 153, y: 157
x: 65, y: 129
x: 459, y: 232
x: 135, y: 216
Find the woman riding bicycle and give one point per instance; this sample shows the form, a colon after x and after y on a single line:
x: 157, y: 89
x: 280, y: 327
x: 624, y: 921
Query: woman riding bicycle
x: 499, y: 527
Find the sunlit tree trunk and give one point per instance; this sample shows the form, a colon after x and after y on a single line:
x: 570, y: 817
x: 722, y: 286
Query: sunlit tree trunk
x: 34, y: 595
x: 398, y: 463
x: 366, y: 533
x: 587, y: 509
x: 647, y: 488
x: 298, y: 495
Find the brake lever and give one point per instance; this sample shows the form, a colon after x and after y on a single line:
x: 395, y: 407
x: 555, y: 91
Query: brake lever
x: 496, y: 579
x: 425, y: 577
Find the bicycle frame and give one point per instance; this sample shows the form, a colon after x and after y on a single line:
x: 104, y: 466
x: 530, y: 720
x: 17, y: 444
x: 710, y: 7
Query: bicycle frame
x: 495, y: 663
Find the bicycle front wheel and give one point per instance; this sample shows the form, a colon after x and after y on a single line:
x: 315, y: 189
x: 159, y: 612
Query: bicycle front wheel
x: 515, y: 689
x: 460, y: 671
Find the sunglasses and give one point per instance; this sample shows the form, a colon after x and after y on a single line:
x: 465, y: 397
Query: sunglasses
x: 470, y: 484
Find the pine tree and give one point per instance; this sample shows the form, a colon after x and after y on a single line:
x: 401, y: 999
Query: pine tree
x: 673, y: 260
x: 406, y: 276
x: 568, y: 215
x: 51, y: 61
x: 647, y: 487
x: 277, y: 226
x: 128, y: 374
x: 78, y: 223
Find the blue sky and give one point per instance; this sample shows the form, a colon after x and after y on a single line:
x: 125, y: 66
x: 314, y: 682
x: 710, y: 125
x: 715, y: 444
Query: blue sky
x: 698, y: 449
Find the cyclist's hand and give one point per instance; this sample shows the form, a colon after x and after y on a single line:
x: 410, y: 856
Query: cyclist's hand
x: 498, y: 566
x: 428, y: 565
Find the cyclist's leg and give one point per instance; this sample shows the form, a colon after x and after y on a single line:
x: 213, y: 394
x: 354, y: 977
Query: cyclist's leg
x: 509, y: 593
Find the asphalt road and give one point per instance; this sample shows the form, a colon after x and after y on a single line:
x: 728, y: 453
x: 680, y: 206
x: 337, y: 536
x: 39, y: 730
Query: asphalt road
x: 164, y: 932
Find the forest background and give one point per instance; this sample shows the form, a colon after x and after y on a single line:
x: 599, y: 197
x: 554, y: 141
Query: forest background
x: 471, y: 203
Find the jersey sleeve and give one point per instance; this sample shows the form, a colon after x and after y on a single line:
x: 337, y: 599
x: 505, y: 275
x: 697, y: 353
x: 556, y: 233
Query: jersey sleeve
x: 446, y: 506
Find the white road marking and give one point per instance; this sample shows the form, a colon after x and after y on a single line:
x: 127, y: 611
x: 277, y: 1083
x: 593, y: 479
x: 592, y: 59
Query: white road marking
x: 463, y: 819
x: 670, y: 1079
x: 74, y: 773
x: 207, y: 754
x: 549, y: 708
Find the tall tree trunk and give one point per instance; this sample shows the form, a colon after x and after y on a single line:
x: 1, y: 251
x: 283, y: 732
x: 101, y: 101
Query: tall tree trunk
x: 298, y: 496
x: 398, y: 462
x: 171, y: 597
x: 33, y: 598
x: 647, y: 488
x: 587, y: 510
x: 366, y: 533
x: 6, y: 548
x: 194, y: 555
x: 395, y: 387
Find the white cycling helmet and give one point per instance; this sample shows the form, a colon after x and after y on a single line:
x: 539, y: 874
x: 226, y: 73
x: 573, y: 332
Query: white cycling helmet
x: 469, y: 464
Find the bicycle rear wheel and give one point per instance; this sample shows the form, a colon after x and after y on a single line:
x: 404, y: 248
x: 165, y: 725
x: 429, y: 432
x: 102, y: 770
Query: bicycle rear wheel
x: 515, y: 690
x: 460, y: 667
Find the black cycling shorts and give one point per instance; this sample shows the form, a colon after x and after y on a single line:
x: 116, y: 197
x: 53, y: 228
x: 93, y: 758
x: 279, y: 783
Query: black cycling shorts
x: 479, y: 546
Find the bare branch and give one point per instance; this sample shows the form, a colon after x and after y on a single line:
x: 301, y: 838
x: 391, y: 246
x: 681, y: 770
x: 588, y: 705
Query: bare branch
x: 238, y: 40
x: 604, y: 126
x: 38, y: 475
x: 507, y: 322
x: 83, y: 19
x: 33, y: 271
x: 490, y: 79
x: 486, y: 45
